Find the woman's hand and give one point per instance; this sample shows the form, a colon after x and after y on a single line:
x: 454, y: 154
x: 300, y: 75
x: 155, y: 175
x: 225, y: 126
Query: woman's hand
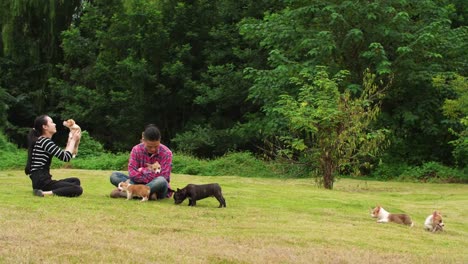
x: 76, y: 136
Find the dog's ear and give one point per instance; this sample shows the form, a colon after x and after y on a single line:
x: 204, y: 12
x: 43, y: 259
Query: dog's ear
x: 127, y: 181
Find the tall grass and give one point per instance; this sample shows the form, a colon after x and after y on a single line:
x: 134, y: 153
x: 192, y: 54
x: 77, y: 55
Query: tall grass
x: 267, y: 220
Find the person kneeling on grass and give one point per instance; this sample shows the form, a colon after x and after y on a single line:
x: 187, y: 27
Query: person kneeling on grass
x: 150, y: 151
x: 41, y: 149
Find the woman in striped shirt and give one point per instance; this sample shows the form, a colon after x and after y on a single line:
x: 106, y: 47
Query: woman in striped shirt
x: 41, y: 149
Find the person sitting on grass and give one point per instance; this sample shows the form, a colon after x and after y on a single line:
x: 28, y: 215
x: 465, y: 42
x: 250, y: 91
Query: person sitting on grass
x: 142, y: 156
x: 41, y: 149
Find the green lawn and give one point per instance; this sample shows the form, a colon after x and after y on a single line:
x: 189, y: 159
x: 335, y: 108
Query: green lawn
x: 266, y: 221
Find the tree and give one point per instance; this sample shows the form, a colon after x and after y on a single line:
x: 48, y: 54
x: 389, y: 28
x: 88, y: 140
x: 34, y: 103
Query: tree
x: 328, y: 129
x: 455, y: 108
x: 177, y: 64
x: 402, y: 40
x: 220, y: 108
x: 114, y: 54
x: 30, y: 48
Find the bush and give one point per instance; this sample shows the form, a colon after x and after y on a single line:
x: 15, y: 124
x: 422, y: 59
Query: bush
x: 240, y: 164
x: 187, y: 164
x: 235, y: 163
x: 101, y: 161
x: 6, y: 145
x: 89, y: 147
x: 10, y: 156
x: 434, y: 172
x: 389, y: 171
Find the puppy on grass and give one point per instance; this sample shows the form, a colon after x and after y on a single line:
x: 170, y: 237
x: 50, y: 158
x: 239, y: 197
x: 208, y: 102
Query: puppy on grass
x: 71, y: 124
x: 434, y: 222
x: 139, y: 190
x: 385, y: 217
x: 197, y: 192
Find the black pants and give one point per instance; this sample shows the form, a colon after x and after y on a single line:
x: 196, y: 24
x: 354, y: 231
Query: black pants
x: 69, y: 187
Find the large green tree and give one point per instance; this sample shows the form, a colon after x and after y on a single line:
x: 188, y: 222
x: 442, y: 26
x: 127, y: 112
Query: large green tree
x: 211, y: 73
x: 177, y: 64
x: 111, y: 71
x: 328, y: 129
x: 412, y: 42
x: 30, y: 48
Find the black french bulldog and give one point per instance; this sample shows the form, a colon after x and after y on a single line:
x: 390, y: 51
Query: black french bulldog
x: 197, y: 192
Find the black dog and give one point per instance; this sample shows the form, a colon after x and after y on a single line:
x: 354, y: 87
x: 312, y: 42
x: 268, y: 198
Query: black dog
x: 197, y: 192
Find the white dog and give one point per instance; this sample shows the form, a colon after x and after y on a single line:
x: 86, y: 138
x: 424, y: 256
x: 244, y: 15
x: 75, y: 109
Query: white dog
x: 434, y: 222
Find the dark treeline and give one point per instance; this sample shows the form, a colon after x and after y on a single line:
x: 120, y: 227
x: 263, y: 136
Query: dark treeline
x: 210, y: 74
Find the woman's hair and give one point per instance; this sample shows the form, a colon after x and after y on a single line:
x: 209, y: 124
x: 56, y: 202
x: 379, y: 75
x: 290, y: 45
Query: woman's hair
x: 33, y: 135
x: 151, y: 133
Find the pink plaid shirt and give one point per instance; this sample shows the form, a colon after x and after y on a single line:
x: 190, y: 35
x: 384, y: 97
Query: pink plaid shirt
x: 139, y: 157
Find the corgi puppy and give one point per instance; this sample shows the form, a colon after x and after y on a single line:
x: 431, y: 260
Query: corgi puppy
x: 139, y: 190
x: 71, y: 124
x: 155, y: 167
x: 385, y: 217
x: 434, y: 222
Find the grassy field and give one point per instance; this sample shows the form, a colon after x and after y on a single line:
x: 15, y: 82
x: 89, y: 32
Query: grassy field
x: 266, y: 221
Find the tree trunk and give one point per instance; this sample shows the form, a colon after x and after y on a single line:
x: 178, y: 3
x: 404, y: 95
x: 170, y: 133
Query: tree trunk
x: 327, y: 170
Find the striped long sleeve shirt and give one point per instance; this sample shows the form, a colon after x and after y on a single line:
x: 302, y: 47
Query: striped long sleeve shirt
x: 139, y: 157
x: 43, y: 151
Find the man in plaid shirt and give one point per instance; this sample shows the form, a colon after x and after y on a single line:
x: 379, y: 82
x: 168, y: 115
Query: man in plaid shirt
x: 149, y: 151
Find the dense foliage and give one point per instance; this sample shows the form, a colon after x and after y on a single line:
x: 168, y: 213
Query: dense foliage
x: 329, y: 130
x: 213, y: 74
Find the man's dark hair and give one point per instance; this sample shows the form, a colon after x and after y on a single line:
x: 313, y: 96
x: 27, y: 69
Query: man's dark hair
x: 151, y: 133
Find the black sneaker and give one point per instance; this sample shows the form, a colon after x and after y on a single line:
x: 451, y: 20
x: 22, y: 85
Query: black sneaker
x: 38, y: 192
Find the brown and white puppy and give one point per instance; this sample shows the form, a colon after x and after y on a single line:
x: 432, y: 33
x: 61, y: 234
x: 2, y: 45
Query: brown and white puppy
x: 71, y: 124
x: 155, y: 167
x: 139, y: 190
x: 434, y: 222
x: 385, y: 217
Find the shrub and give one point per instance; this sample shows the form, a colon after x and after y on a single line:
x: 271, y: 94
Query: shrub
x: 434, y: 172
x: 187, y: 164
x: 102, y: 161
x: 240, y: 164
x: 10, y: 156
x: 6, y: 145
x: 89, y: 147
x: 234, y: 163
x: 389, y: 171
